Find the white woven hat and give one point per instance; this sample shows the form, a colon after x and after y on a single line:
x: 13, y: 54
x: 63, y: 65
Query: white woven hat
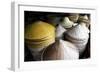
x: 78, y: 35
x: 78, y: 32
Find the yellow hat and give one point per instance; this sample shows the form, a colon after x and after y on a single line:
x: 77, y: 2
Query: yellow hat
x: 39, y: 34
x: 38, y: 30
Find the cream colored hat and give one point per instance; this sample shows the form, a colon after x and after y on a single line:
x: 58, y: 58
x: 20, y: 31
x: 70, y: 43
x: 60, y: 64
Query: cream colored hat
x: 67, y: 23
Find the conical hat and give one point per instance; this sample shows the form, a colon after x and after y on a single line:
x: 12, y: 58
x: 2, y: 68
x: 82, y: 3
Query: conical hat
x: 39, y: 35
x: 60, y: 50
x: 38, y: 30
x: 52, y: 52
x: 67, y: 23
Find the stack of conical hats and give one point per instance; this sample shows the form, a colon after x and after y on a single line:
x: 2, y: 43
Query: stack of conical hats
x: 78, y: 35
x: 39, y: 35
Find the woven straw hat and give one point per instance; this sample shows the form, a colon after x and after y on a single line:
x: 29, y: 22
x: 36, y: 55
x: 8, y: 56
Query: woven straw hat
x: 39, y: 35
